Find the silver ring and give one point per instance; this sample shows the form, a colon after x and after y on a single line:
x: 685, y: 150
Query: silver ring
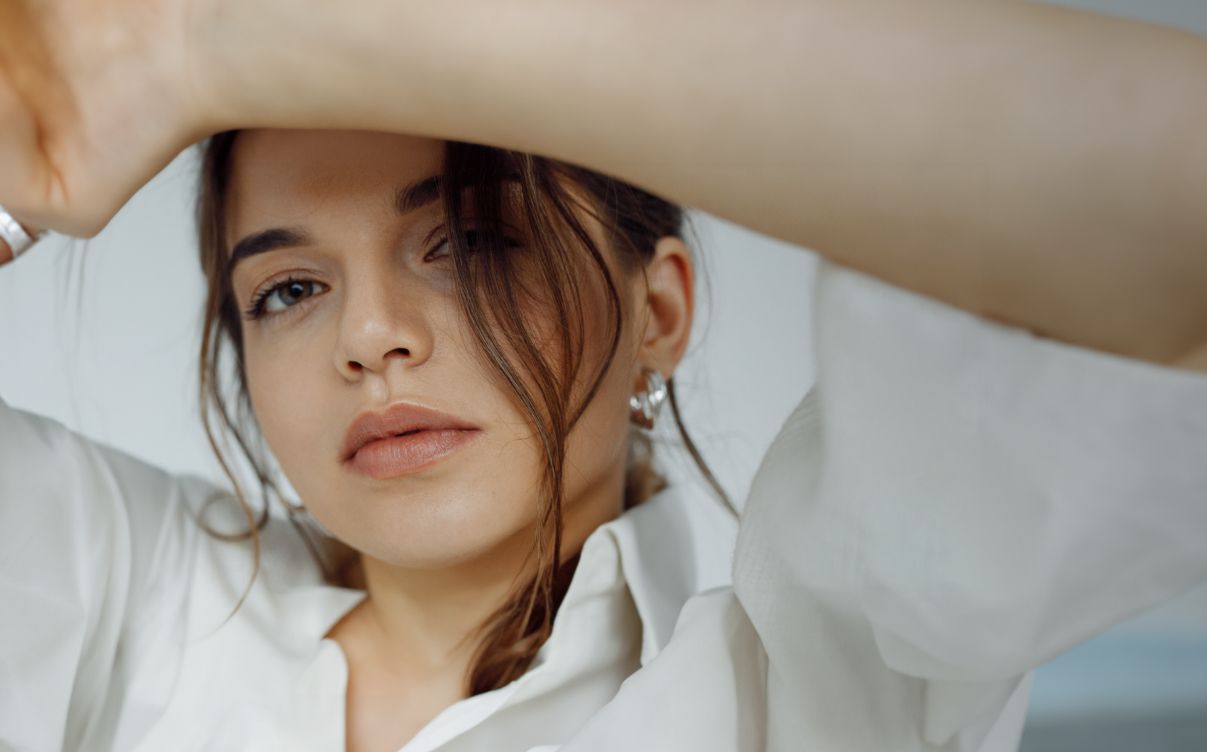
x: 14, y: 234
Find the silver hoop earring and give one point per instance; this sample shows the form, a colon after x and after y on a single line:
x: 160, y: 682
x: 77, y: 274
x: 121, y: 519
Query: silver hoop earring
x: 644, y: 406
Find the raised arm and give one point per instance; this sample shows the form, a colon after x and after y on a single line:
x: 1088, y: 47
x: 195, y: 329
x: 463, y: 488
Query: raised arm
x: 1041, y: 166
x: 1038, y: 165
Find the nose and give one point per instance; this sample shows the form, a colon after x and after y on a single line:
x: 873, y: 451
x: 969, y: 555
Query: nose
x: 382, y: 322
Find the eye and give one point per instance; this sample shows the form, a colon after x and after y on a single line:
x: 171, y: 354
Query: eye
x: 473, y: 239
x: 282, y: 296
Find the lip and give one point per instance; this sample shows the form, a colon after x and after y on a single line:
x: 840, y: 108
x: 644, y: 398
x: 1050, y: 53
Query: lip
x: 374, y: 443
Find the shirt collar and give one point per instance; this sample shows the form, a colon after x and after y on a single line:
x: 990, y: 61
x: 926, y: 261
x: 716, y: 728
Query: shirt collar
x: 657, y: 561
x: 644, y: 561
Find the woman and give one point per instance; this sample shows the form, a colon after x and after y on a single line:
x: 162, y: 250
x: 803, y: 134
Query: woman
x: 956, y: 501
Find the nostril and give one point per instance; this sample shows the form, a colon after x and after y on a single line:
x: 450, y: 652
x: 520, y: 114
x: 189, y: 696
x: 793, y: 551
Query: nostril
x: 356, y: 366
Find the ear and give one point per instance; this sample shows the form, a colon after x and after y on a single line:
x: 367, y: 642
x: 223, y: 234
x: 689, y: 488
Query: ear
x: 669, y: 304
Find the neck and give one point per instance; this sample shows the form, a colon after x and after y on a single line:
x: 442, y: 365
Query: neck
x: 418, y: 624
x: 419, y: 620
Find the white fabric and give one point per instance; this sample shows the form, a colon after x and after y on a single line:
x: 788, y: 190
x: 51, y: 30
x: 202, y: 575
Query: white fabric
x: 955, y: 502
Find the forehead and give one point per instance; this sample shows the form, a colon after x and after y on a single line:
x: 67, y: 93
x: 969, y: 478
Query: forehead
x: 283, y: 176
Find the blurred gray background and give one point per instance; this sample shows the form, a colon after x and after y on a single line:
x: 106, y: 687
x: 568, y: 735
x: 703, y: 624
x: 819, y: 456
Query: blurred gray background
x: 102, y: 335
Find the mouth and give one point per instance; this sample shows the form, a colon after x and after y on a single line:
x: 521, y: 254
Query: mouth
x: 408, y: 452
x: 402, y: 439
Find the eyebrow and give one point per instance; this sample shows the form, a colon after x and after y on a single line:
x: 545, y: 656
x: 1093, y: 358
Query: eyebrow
x: 409, y: 198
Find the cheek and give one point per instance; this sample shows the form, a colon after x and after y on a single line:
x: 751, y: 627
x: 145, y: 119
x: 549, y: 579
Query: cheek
x: 596, y: 449
x: 285, y: 401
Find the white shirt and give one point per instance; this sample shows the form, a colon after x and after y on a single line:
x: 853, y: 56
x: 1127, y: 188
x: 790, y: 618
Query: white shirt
x: 952, y: 504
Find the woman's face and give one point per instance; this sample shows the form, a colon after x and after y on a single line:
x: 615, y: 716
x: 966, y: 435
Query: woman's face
x: 370, y: 319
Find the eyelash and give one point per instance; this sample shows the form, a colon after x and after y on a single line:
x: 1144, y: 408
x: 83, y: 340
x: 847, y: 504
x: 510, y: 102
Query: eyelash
x: 507, y: 241
x: 255, y: 310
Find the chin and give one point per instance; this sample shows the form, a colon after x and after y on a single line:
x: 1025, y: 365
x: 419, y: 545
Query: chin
x: 432, y: 531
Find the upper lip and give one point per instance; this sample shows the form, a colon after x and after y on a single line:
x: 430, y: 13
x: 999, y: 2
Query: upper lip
x: 394, y: 420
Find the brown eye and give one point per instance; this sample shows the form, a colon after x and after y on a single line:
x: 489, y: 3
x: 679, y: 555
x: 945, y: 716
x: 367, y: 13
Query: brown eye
x: 282, y: 296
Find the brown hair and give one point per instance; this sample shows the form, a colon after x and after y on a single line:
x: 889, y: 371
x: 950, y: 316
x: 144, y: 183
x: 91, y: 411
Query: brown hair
x: 493, y: 285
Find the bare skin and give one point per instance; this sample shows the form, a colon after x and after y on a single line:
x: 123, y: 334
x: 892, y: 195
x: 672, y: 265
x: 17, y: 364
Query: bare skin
x: 1045, y: 167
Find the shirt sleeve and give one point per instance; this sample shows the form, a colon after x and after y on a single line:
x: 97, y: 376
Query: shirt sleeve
x: 955, y: 502
x: 94, y: 547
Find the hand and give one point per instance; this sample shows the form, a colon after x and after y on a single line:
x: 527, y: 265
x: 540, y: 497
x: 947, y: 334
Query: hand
x: 95, y: 99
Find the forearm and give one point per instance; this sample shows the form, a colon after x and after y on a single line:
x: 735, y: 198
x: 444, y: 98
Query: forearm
x: 1033, y: 164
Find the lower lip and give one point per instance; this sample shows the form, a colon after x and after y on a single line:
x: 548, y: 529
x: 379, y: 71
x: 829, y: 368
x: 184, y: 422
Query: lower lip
x: 403, y: 455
